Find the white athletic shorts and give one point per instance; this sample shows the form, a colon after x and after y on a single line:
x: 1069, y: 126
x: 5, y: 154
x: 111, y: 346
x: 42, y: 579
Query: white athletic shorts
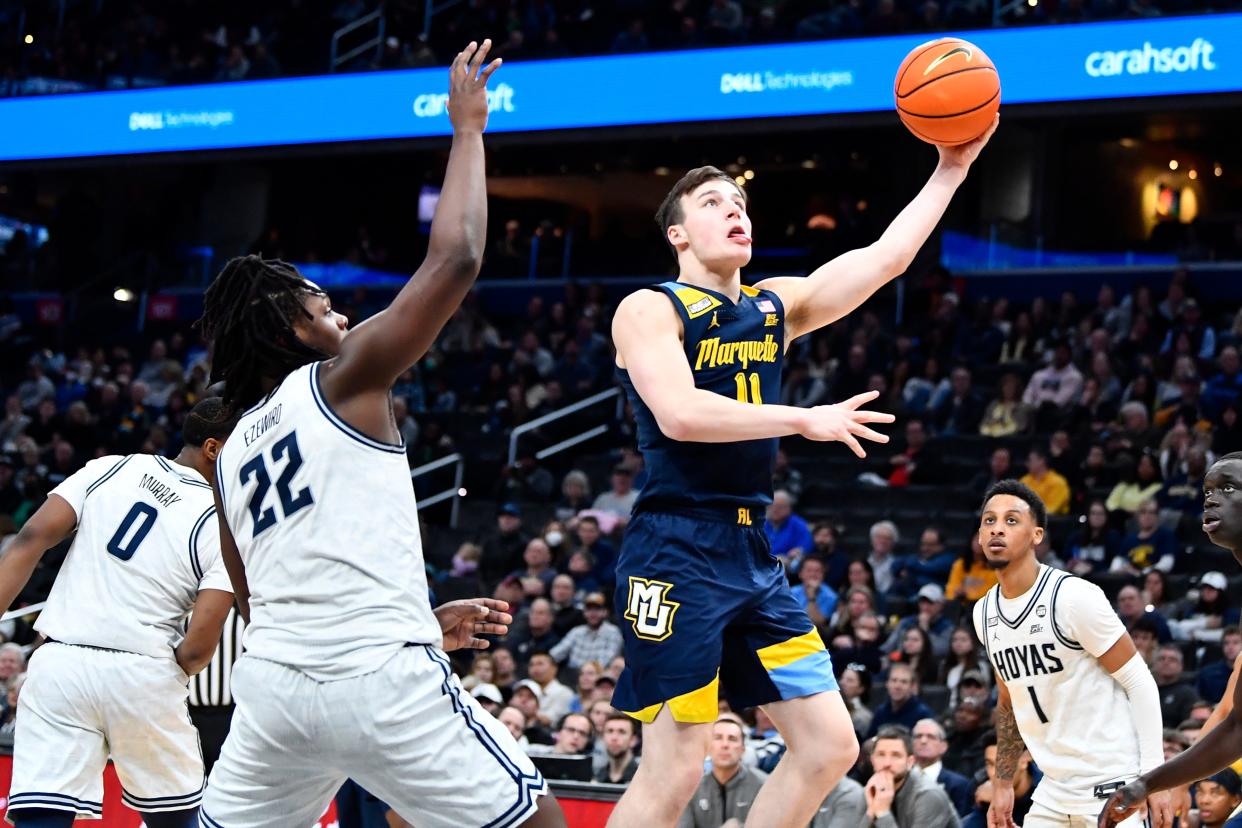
x: 1041, y: 816
x: 407, y: 733
x: 79, y: 706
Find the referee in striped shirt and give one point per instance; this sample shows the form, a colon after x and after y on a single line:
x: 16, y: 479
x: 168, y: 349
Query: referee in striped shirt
x: 211, y: 697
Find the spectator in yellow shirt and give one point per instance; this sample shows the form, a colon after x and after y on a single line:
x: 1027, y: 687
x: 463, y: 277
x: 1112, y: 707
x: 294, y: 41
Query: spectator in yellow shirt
x: 1139, y: 483
x: 1051, y: 487
x: 971, y: 577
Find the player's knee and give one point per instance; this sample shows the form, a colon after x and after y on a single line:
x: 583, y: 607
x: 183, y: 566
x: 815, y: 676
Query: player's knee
x: 675, y: 775
x: 825, y: 758
x: 683, y: 782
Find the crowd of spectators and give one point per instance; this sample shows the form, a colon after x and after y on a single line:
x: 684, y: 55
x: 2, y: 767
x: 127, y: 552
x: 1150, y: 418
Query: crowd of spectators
x: 134, y: 43
x: 1112, y: 411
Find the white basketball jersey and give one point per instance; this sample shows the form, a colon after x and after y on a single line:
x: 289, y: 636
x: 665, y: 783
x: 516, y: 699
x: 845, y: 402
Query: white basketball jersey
x: 325, y: 520
x: 1073, y: 716
x: 147, y: 542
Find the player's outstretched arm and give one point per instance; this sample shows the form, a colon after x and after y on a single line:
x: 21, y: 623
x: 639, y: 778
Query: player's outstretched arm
x: 1009, y: 748
x: 375, y: 353
x: 1213, y: 752
x: 195, y: 651
x: 1128, y: 669
x: 1222, y: 710
x: 835, y: 289
x: 54, y: 521
x: 645, y: 331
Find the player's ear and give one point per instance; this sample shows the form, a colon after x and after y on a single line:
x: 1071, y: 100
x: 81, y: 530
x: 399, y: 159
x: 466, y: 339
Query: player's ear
x: 676, y: 235
x: 211, y: 448
x: 1038, y: 536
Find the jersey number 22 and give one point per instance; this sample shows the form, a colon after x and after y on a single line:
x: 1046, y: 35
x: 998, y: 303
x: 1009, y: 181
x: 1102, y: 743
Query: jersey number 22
x: 285, y: 447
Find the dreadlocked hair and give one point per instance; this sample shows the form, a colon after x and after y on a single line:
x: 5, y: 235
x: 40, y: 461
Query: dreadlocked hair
x: 248, y: 315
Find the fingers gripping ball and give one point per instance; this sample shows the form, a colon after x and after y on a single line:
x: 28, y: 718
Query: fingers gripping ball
x: 947, y: 91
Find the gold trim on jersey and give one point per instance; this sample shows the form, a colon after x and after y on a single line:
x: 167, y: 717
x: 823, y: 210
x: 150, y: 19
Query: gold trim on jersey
x: 696, y: 301
x: 696, y: 707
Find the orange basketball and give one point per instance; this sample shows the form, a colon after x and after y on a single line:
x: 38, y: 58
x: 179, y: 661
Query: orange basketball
x: 947, y: 91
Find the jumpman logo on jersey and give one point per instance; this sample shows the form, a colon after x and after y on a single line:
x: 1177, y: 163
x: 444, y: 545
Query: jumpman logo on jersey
x: 713, y: 323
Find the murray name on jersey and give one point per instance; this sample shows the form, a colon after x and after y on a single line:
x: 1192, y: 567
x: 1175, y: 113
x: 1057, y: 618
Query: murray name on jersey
x: 164, y: 494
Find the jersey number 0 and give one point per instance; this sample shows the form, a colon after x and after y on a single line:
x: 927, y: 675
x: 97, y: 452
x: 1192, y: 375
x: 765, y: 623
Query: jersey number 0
x: 285, y: 447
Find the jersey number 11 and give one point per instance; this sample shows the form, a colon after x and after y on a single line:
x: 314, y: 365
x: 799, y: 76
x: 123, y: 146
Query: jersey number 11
x: 755, y: 398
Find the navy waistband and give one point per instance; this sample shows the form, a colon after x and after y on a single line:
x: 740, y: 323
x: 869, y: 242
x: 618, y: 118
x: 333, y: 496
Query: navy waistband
x: 738, y: 514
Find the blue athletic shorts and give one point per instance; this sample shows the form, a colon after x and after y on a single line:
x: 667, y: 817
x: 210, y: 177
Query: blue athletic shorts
x: 704, y: 603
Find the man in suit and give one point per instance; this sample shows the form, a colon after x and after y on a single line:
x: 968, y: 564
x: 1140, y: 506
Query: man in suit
x: 930, y: 744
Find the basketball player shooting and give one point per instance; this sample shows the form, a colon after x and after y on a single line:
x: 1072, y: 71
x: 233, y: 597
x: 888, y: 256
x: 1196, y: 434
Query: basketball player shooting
x: 1073, y: 691
x: 707, y: 603
x: 1221, y: 747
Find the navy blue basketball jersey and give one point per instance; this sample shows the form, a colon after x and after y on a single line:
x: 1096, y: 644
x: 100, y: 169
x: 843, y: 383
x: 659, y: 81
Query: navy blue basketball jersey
x: 733, y: 350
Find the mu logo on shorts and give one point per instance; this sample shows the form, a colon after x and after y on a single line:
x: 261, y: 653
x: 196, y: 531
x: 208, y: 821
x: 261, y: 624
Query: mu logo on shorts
x: 649, y: 610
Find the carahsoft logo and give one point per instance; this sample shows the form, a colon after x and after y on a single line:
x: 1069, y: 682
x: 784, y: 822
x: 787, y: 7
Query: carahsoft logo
x: 499, y: 99
x: 1197, y: 56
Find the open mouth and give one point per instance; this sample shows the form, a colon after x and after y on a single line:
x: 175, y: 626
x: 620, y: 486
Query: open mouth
x: 1210, y: 523
x: 738, y: 234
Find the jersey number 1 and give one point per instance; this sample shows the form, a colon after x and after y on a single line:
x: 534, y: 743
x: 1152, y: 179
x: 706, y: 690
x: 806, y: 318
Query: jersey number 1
x: 740, y: 378
x: 1039, y: 711
x: 289, y: 502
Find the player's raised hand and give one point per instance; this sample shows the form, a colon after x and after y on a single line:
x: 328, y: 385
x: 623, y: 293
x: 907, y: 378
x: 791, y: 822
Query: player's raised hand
x: 462, y: 621
x: 963, y: 155
x: 1000, y: 812
x: 467, y: 103
x: 1122, y: 803
x: 846, y: 423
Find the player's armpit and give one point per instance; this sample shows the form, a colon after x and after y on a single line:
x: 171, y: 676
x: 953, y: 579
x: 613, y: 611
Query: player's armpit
x: 54, y: 521
x: 832, y: 290
x: 211, y: 608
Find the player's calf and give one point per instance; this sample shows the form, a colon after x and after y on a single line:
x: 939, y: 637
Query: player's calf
x: 187, y: 818
x: 821, y: 748
x: 41, y: 818
x: 671, y: 769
